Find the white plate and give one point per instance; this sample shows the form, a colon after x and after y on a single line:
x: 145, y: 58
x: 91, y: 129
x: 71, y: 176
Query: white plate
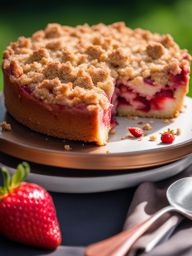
x: 106, y: 183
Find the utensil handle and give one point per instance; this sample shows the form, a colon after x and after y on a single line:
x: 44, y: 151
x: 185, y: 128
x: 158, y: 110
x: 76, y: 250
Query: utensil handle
x: 120, y: 244
x: 161, y: 237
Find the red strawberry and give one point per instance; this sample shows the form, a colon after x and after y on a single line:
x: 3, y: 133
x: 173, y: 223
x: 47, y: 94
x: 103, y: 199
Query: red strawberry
x: 27, y: 212
x: 136, y: 131
x: 168, y: 137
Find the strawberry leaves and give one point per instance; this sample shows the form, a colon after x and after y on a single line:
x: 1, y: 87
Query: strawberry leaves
x: 10, y: 183
x: 20, y: 174
x: 6, y: 179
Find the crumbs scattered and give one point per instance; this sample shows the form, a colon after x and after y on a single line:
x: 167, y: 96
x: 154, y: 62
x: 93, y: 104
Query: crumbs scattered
x: 132, y: 117
x: 112, y: 131
x: 140, y: 122
x: 107, y: 152
x: 153, y: 138
x: 5, y: 126
x: 178, y: 131
x: 166, y: 121
x: 147, y: 127
x: 67, y: 147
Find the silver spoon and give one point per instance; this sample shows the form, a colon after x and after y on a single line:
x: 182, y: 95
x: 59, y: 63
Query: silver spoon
x: 179, y: 196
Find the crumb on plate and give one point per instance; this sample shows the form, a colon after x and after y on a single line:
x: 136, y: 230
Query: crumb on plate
x: 132, y: 117
x: 153, y: 138
x: 147, y: 127
x: 5, y: 126
x: 67, y: 147
x: 166, y: 121
x: 178, y: 131
x: 112, y: 131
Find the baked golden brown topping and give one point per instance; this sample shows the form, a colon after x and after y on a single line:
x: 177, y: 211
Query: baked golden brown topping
x: 71, y: 65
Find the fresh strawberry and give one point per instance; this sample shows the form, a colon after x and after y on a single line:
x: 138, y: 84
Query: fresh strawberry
x: 27, y: 212
x: 168, y: 137
x: 136, y: 131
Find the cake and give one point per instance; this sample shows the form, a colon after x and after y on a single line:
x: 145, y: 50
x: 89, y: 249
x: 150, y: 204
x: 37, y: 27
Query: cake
x: 71, y: 82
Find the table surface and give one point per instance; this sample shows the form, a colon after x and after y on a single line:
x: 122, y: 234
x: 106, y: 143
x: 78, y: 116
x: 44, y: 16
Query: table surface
x: 84, y: 219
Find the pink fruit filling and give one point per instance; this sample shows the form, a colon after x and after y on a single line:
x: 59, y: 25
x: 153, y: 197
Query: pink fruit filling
x: 125, y: 95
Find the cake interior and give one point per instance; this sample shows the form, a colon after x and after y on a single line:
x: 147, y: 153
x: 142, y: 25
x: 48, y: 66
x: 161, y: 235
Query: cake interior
x: 148, y: 99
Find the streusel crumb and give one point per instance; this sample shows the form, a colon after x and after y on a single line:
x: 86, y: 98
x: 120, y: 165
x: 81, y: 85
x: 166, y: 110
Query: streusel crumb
x: 5, y: 126
x: 131, y: 117
x: 67, y: 147
x: 112, y: 131
x: 178, y: 131
x: 153, y: 138
x: 155, y: 50
x: 147, y: 127
x: 85, y: 61
x: 166, y: 121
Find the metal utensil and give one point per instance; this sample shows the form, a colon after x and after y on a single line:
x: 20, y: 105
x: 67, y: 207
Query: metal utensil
x: 179, y: 196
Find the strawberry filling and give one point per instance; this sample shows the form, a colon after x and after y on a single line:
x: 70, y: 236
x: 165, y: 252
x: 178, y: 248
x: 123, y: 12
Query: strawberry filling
x: 126, y: 96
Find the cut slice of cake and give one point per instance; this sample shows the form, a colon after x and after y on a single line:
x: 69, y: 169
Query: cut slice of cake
x: 70, y: 82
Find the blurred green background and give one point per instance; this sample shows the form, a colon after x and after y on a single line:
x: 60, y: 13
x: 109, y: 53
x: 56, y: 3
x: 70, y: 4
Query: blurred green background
x: 164, y: 16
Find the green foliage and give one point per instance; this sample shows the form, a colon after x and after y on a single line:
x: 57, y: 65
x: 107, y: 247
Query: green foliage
x: 24, y: 18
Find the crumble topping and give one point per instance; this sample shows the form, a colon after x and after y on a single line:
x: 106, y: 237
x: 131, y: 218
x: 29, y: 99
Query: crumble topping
x: 155, y: 50
x: 71, y: 65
